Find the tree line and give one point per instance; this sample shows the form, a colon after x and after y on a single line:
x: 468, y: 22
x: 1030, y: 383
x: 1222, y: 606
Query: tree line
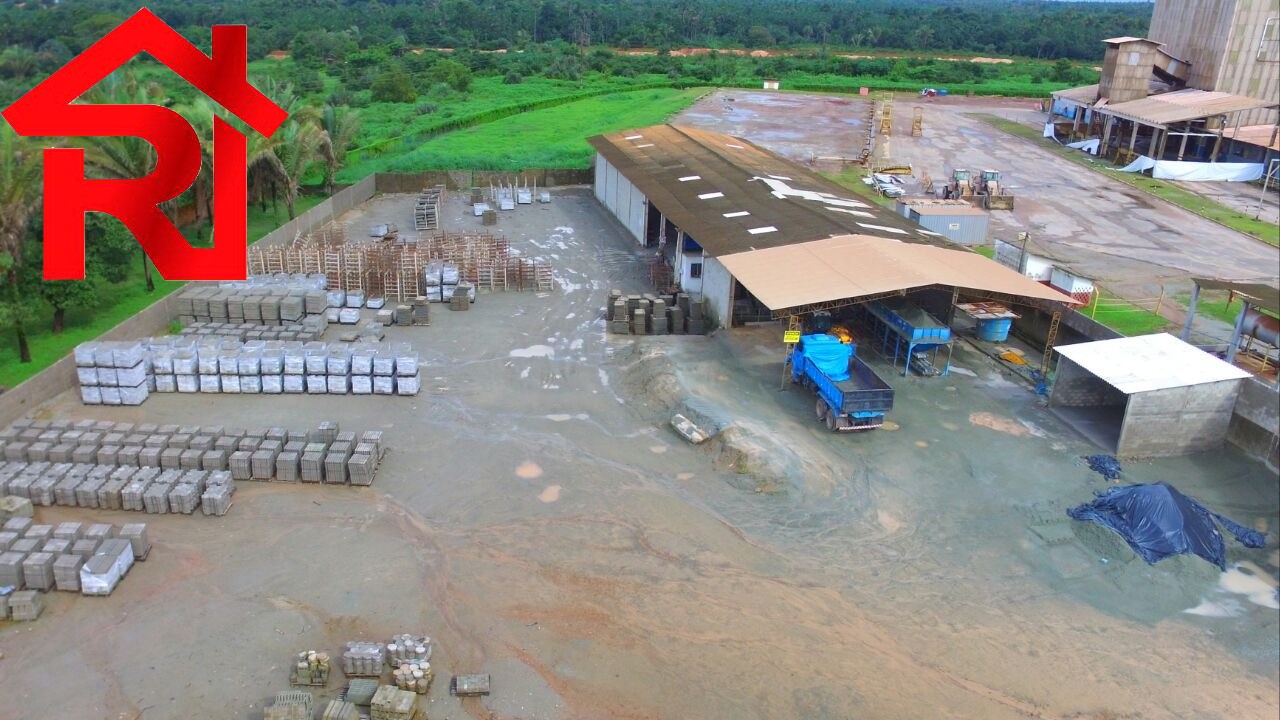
x: 312, y: 142
x: 1025, y: 28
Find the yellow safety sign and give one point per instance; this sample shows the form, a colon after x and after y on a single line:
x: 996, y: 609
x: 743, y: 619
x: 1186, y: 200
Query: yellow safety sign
x: 791, y: 337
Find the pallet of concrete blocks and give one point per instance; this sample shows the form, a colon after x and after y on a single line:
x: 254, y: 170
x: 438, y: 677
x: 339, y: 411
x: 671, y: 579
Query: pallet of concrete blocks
x: 408, y: 379
x: 363, y: 659
x: 413, y: 677
x: 340, y: 710
x: 25, y: 605
x: 406, y: 648
x: 37, y: 571
x: 132, y: 493
x: 136, y: 534
x: 66, y: 572
x: 103, y: 571
x: 155, y: 499
x: 216, y: 499
x: 310, y: 667
x: 291, y: 705
x: 184, y: 498
x: 392, y: 703
x: 362, y: 465
x: 11, y: 567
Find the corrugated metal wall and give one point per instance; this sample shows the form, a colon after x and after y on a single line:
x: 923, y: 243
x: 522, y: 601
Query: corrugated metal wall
x: 623, y: 199
x: 963, y: 229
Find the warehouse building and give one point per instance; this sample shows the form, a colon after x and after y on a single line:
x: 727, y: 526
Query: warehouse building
x: 761, y: 238
x: 956, y: 220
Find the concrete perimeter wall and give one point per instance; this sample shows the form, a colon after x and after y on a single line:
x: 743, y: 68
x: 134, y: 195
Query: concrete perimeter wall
x: 332, y: 207
x: 1255, y: 426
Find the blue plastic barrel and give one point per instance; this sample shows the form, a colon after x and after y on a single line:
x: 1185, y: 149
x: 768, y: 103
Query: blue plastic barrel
x: 994, y: 330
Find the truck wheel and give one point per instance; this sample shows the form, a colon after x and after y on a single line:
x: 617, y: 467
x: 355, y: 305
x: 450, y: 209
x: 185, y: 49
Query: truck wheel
x: 821, y: 409
x: 832, y: 422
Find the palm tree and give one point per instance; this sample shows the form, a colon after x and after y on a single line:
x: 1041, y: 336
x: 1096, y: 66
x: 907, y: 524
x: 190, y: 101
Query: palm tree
x: 341, y: 125
x: 21, y: 190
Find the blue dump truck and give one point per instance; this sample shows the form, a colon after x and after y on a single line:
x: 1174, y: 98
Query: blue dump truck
x: 850, y: 394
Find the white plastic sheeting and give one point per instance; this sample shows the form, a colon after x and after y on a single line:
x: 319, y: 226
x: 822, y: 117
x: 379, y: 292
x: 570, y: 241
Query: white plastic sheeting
x: 1142, y: 164
x: 1048, y: 129
x: 1090, y: 146
x: 1199, y: 171
x: 1196, y: 171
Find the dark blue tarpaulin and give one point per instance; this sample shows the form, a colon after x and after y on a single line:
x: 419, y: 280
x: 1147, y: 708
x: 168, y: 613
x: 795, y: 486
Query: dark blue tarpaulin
x: 1158, y: 521
x: 829, y: 354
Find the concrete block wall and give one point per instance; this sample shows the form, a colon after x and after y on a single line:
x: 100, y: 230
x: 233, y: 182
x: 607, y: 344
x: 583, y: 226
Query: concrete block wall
x: 1077, y: 387
x: 717, y: 289
x: 1255, y: 426
x: 1177, y: 421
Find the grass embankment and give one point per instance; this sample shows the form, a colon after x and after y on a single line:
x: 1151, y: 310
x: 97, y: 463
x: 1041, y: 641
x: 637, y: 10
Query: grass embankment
x: 1123, y: 316
x: 389, y: 132
x: 1213, y: 303
x: 549, y: 138
x: 1185, y: 199
x: 118, y: 302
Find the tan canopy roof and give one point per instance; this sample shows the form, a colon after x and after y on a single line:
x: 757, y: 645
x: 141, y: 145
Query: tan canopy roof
x: 852, y: 266
x: 1080, y: 95
x: 1182, y: 106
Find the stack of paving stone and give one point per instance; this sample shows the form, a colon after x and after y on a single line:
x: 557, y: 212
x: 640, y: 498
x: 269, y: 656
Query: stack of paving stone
x: 37, y: 571
x: 363, y: 659
x: 253, y: 302
x: 360, y: 691
x: 66, y: 572
x: 392, y: 703
x: 309, y: 328
x: 291, y: 705
x: 171, y: 468
x: 25, y: 605
x: 407, y: 648
x: 651, y: 314
x: 413, y: 677
x: 340, y: 710
x: 112, y: 373
x: 104, y: 570
x: 310, y: 667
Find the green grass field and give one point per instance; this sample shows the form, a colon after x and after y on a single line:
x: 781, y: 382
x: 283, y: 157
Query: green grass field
x: 1124, y: 317
x: 1213, y: 304
x: 1185, y: 199
x: 118, y: 302
x: 851, y: 178
x: 550, y: 138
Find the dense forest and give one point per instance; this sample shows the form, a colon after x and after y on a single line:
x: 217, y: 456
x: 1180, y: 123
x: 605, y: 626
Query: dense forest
x: 1026, y: 28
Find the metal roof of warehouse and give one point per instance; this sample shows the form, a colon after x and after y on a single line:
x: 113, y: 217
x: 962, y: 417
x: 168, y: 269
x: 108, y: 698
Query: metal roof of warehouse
x: 1182, y: 106
x: 1081, y: 95
x: 852, y: 266
x: 731, y: 195
x: 1149, y: 362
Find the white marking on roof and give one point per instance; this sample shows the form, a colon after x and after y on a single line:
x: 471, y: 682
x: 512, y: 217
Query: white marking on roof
x: 830, y: 200
x: 765, y: 229
x: 929, y: 232
x: 633, y: 137
x: 710, y: 196
x: 885, y: 228
x: 859, y: 213
x: 740, y: 213
x: 687, y: 178
x: 779, y: 177
x: 736, y: 147
x: 644, y: 145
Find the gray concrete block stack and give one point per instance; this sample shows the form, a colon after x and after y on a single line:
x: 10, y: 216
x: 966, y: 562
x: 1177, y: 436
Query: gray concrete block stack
x: 650, y: 314
x: 25, y: 605
x: 363, y: 659
x: 261, y: 300
x: 112, y: 373
x: 392, y: 703
x: 214, y: 365
x: 69, y: 558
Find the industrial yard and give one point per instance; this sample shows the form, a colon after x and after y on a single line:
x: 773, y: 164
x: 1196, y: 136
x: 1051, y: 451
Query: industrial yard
x: 640, y: 361
x: 538, y: 518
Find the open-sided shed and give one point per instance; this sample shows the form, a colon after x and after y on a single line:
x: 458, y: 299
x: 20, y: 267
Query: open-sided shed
x: 1146, y: 396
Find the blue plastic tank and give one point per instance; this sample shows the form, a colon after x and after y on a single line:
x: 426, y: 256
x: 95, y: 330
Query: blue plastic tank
x: 996, y: 330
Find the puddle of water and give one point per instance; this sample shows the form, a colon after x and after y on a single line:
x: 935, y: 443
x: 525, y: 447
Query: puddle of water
x: 922, y: 444
x: 550, y: 494
x: 529, y: 470
x: 565, y: 417
x: 1241, y: 579
x: 533, y: 351
x: 963, y: 371
x: 576, y: 344
x: 659, y: 449
x: 524, y: 374
x: 604, y: 377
